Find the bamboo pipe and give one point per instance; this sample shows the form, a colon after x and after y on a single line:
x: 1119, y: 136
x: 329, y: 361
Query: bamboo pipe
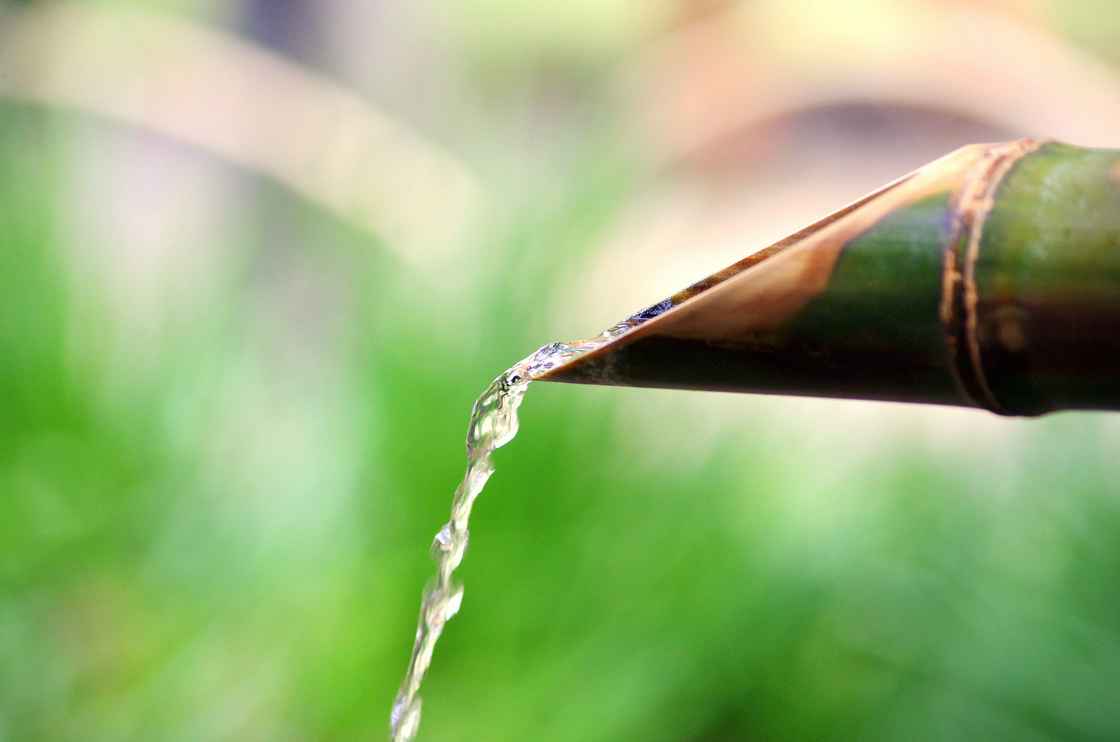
x: 989, y: 278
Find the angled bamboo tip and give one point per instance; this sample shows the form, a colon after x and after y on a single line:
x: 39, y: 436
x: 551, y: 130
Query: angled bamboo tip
x: 733, y: 309
x: 988, y: 278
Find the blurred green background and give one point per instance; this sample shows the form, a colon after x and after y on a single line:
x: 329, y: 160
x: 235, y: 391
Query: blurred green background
x: 257, y: 258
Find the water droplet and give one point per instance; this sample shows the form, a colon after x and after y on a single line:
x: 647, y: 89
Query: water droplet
x: 456, y: 554
x: 454, y: 603
x: 443, y: 540
x: 405, y: 720
x: 395, y: 716
x: 650, y: 312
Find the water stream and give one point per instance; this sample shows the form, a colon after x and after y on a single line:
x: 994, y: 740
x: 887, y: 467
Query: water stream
x: 493, y: 423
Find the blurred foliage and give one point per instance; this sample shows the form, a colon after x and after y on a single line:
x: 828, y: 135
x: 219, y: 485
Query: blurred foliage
x: 217, y: 537
x: 510, y: 40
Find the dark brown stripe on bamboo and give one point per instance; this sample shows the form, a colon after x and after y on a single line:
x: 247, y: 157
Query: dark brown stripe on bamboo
x: 960, y: 297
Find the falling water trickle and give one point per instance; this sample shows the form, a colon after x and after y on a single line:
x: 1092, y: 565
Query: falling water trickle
x: 493, y: 423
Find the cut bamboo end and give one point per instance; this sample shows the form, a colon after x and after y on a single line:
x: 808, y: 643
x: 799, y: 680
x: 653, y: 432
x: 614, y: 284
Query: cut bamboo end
x: 984, y: 279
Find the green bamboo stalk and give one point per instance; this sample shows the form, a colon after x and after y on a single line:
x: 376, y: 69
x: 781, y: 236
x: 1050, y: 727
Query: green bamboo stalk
x: 989, y: 278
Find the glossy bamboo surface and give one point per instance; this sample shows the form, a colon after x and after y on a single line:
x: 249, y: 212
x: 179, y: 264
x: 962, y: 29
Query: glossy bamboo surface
x: 989, y: 278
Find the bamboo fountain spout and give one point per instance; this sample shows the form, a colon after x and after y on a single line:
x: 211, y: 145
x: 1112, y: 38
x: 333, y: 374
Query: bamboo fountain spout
x: 989, y: 278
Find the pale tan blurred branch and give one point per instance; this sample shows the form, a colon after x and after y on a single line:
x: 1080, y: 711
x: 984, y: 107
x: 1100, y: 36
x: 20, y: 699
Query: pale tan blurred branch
x: 247, y: 106
x: 753, y: 62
